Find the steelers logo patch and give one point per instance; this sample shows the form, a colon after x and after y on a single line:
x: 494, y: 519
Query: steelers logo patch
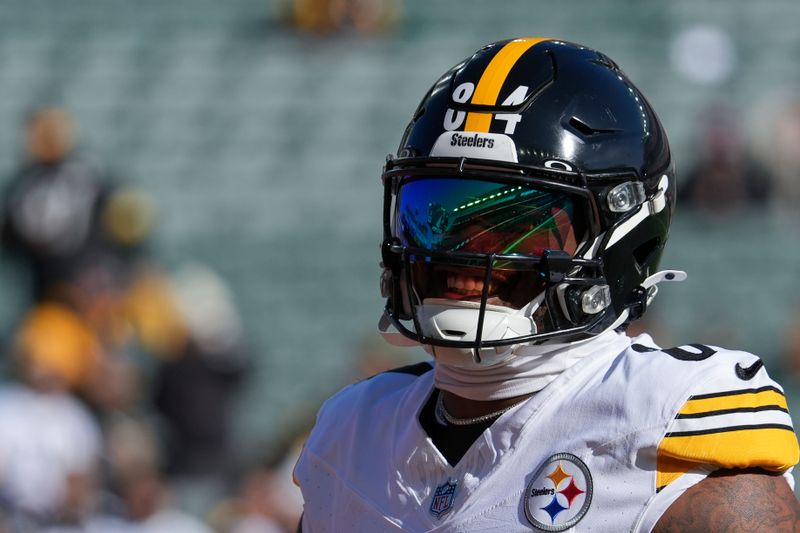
x: 559, y: 494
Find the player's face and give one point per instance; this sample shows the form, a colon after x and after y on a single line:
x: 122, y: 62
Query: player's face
x: 483, y: 217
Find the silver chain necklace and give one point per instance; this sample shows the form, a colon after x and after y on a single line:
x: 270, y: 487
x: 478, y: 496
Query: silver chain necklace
x: 444, y: 418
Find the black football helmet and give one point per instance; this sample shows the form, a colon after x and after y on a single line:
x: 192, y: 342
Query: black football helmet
x: 530, y: 200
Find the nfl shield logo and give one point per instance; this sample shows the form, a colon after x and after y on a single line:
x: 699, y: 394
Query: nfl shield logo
x: 443, y: 498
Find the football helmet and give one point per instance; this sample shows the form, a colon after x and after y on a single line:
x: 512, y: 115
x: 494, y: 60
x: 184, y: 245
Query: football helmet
x: 529, y: 201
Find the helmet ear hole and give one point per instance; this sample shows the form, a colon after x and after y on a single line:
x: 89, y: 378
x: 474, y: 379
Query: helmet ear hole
x: 647, y: 253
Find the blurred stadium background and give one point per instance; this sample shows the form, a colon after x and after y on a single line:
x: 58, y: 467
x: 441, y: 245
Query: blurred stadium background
x: 262, y: 143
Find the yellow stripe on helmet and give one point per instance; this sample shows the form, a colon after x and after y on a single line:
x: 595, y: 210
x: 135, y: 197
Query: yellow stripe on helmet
x: 492, y: 80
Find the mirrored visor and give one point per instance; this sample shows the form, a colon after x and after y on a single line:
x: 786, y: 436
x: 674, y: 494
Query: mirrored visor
x: 476, y: 216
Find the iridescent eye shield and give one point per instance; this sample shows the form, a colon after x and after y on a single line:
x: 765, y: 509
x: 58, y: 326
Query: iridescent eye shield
x: 511, y: 236
x: 486, y: 217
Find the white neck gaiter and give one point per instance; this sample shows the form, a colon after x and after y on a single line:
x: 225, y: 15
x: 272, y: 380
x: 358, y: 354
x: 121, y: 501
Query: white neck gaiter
x: 529, y: 370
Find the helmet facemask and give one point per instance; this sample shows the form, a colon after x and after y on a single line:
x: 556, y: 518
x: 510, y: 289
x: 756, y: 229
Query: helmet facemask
x: 562, y: 125
x: 480, y: 259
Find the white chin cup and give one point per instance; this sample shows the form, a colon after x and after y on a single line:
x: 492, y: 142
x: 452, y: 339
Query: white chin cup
x: 457, y: 320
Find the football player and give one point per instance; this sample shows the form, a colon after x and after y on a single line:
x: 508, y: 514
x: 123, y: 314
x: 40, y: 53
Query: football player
x: 525, y: 214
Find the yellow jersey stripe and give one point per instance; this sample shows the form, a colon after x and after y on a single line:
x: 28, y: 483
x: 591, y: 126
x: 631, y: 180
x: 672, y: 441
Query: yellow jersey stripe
x: 740, y: 400
x: 727, y: 429
x: 769, y: 447
x: 758, y: 409
x: 735, y: 392
x: 670, y: 469
x: 492, y: 79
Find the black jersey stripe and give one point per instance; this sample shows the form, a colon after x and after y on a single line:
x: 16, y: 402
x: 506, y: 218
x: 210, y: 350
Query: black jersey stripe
x: 735, y: 392
x: 733, y: 410
x: 727, y: 429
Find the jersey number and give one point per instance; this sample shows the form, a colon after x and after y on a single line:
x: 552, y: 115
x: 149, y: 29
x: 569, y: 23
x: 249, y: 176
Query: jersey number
x: 679, y: 352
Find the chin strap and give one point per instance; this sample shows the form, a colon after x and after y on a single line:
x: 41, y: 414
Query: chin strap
x: 391, y: 335
x: 644, y: 294
x: 663, y: 275
x: 455, y: 356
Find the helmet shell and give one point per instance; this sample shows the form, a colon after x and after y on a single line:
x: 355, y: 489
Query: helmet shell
x: 570, y: 108
x: 576, y: 106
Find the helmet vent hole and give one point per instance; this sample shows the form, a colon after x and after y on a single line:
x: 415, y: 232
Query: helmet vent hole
x: 454, y: 333
x: 646, y: 253
x: 585, y: 129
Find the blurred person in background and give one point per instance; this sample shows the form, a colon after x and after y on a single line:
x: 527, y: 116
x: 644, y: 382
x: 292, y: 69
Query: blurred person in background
x: 265, y: 499
x: 525, y: 215
x: 60, y: 214
x: 323, y: 17
x: 131, y: 492
x: 777, y: 142
x: 194, y: 388
x: 138, y: 498
x: 188, y: 329
x: 51, y: 445
x: 724, y: 176
x: 83, y: 237
x: 259, y: 504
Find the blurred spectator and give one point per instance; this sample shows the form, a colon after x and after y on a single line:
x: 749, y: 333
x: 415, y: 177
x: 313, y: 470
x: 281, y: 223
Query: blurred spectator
x: 53, y: 338
x: 777, y: 140
x: 724, y: 176
x: 50, y: 446
x: 194, y: 388
x: 257, y: 508
x: 266, y: 500
x: 791, y: 358
x: 135, y: 479
x: 330, y: 16
x: 61, y: 215
x: 98, y: 305
x: 151, y: 308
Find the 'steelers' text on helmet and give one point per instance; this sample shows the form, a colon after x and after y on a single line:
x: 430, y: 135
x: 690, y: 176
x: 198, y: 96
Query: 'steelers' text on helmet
x: 530, y: 200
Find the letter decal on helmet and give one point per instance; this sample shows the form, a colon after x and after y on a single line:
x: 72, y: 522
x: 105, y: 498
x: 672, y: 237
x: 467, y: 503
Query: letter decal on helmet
x: 517, y: 97
x: 488, y: 90
x: 463, y: 92
x: 478, y: 145
x: 452, y: 119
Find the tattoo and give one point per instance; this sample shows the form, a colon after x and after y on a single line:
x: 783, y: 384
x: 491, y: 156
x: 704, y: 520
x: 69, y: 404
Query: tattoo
x: 734, y: 500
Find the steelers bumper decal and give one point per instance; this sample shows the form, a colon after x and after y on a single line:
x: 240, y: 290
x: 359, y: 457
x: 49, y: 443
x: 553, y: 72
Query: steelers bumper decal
x: 559, y: 494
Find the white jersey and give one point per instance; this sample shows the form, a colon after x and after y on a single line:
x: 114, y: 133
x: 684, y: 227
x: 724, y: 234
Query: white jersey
x: 45, y: 439
x: 609, y: 445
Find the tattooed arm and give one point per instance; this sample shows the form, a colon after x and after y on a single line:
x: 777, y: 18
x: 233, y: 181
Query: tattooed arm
x: 733, y: 501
